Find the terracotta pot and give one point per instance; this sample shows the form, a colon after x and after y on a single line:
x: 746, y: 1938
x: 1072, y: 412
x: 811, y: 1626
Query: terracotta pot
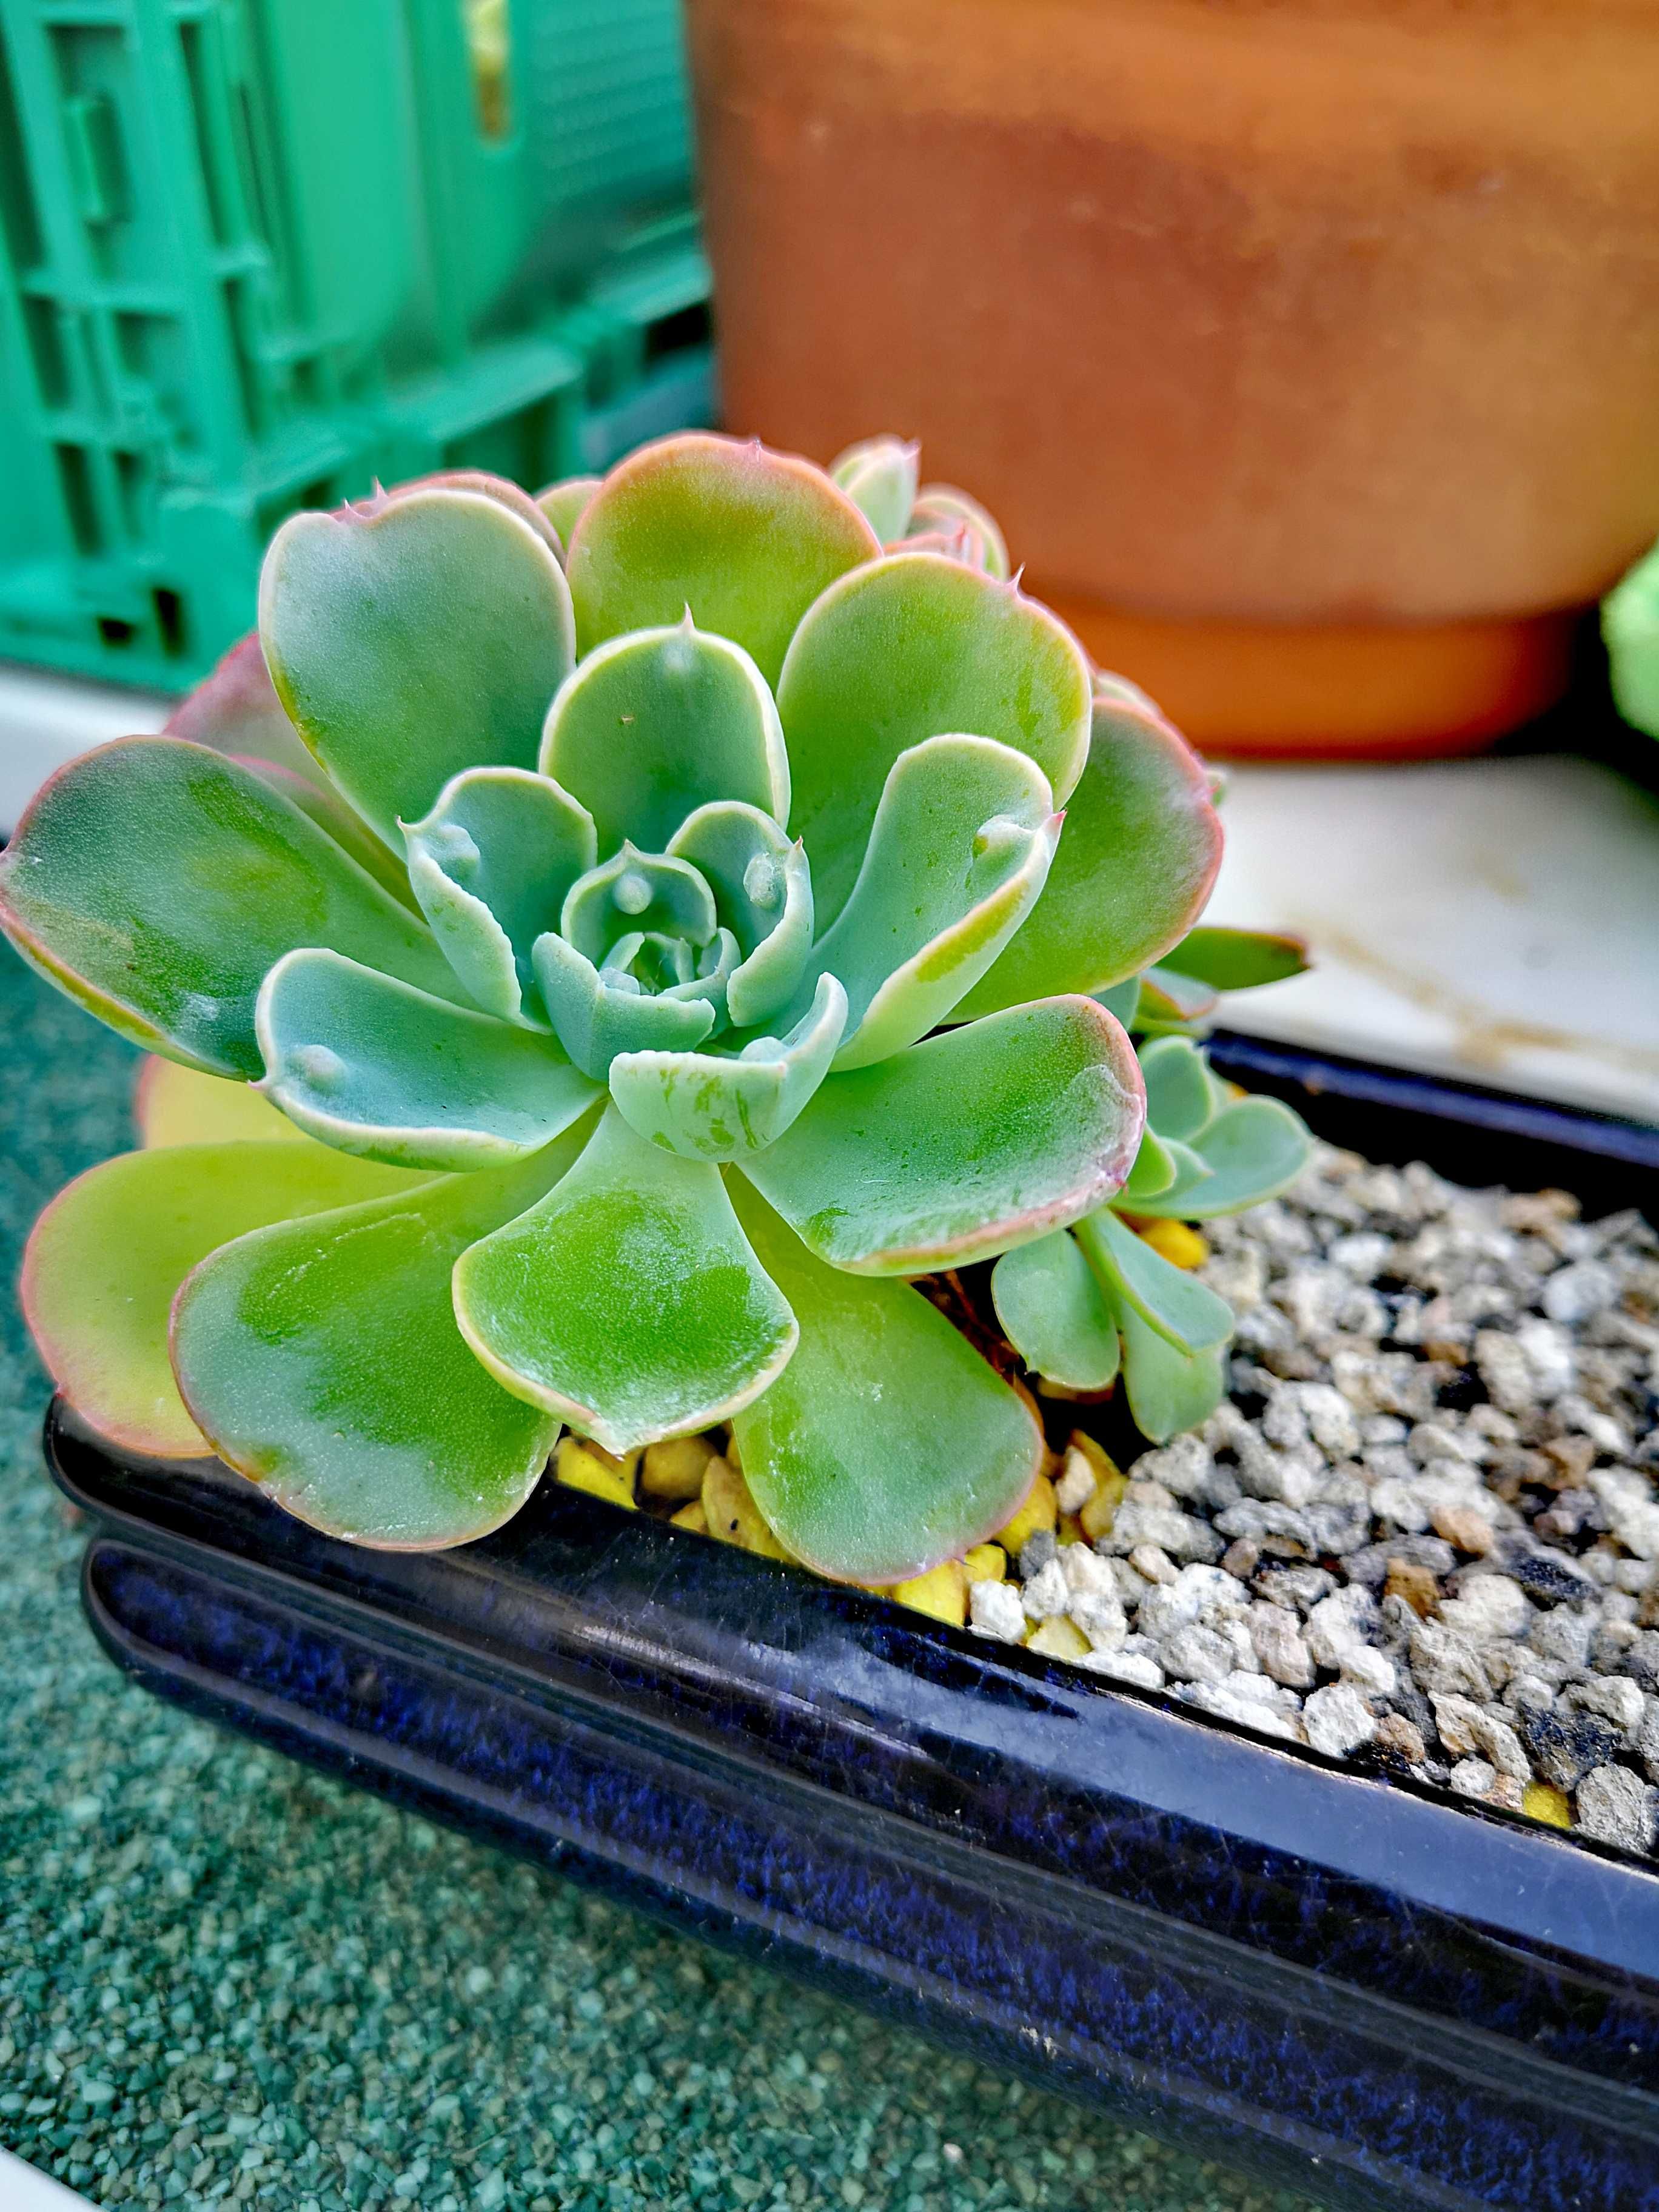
x: 1308, y: 349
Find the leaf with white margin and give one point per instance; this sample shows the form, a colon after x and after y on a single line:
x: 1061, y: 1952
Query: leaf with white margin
x: 629, y: 1301
x: 652, y: 726
x: 708, y: 1107
x: 105, y: 1258
x: 969, y: 1144
x: 637, y: 894
x: 412, y: 637
x: 157, y: 883
x: 365, y: 1063
x: 596, y: 1016
x: 1054, y: 1314
x: 903, y: 649
x: 962, y: 842
x: 1183, y: 1311
x: 762, y: 888
x: 878, y: 475
x: 888, y: 1443
x: 1168, y: 1390
x: 565, y: 503
x: 1137, y: 861
x: 1253, y: 1150
x: 1179, y: 1100
x: 323, y: 1360
x: 491, y: 866
x: 745, y: 538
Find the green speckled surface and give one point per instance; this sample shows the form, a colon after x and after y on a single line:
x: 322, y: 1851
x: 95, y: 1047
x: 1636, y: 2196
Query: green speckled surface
x: 225, y: 1981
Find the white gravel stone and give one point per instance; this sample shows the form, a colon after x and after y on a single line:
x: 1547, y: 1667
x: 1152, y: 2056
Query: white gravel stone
x: 1048, y: 1593
x: 1573, y: 1293
x: 1195, y: 1654
x: 1615, y: 1697
x: 1280, y: 1646
x: 994, y: 1608
x: 1131, y: 1667
x: 1488, y: 1607
x: 1338, y: 1622
x: 1616, y: 1807
x: 1472, y: 1777
x: 1466, y: 1727
x: 1371, y: 1671
x: 1077, y: 1484
x: 1337, y: 1719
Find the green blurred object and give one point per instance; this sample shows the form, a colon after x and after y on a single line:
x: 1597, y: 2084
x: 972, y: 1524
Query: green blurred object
x: 1629, y: 631
x: 255, y: 254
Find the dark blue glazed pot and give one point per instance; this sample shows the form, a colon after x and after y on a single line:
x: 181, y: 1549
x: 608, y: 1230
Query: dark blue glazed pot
x: 1355, y: 1987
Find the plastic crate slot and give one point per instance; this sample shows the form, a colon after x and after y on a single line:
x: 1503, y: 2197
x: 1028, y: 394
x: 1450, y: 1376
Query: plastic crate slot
x: 115, y: 632
x: 74, y: 475
x: 51, y: 375
x: 170, y: 622
x: 132, y: 473
x: 678, y: 331
x: 19, y: 217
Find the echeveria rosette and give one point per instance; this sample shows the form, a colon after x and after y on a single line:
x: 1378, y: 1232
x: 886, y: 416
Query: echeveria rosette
x: 683, y: 937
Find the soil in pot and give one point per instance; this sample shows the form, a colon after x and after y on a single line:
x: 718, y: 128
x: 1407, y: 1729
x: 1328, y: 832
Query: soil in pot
x: 1421, y: 1535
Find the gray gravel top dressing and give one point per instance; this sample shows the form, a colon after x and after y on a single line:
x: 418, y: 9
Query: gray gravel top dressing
x: 224, y: 1981
x: 1423, y: 1532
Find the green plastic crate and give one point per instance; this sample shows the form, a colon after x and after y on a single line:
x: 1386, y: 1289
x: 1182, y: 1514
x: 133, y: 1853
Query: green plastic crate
x: 256, y: 254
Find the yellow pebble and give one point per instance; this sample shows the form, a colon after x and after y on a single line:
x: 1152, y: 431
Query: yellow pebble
x: 1543, y: 1800
x: 941, y: 1593
x: 676, y: 1469
x: 987, y: 1563
x: 1176, y: 1241
x: 1058, y: 1638
x: 1040, y: 1511
x: 732, y: 1515
x: 1069, y: 1529
x: 583, y: 1465
x: 691, y: 1517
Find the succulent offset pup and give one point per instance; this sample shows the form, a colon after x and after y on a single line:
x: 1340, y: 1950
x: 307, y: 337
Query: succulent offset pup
x: 686, y: 921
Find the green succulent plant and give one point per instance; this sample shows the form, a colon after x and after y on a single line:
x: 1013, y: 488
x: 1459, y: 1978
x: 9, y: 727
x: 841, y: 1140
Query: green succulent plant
x: 1629, y: 631
x: 686, y: 920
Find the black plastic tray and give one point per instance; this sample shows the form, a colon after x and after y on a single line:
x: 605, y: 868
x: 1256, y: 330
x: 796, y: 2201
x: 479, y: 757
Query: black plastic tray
x: 1356, y: 1988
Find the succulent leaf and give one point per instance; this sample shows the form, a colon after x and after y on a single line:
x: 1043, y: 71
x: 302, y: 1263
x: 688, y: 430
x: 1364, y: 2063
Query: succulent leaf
x: 1180, y: 1101
x: 634, y: 894
x: 745, y: 538
x: 706, y: 1106
x: 878, y: 475
x: 157, y: 882
x: 1170, y: 1002
x: 491, y: 866
x: 412, y: 637
x: 1137, y: 858
x: 1054, y: 1313
x: 969, y: 1144
x: 887, y: 1444
x: 762, y: 891
x: 108, y: 1253
x: 1175, y: 1304
x: 235, y: 710
x: 963, y: 837
x: 1238, y: 959
x: 942, y: 510
x: 908, y: 647
x: 629, y: 1300
x: 366, y: 1063
x: 1153, y: 1172
x: 173, y: 1104
x: 565, y: 503
x: 1630, y: 631
x: 336, y: 820
x: 1168, y: 1389
x: 596, y: 1016
x: 1253, y: 1149
x: 653, y: 724
x: 322, y: 1359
